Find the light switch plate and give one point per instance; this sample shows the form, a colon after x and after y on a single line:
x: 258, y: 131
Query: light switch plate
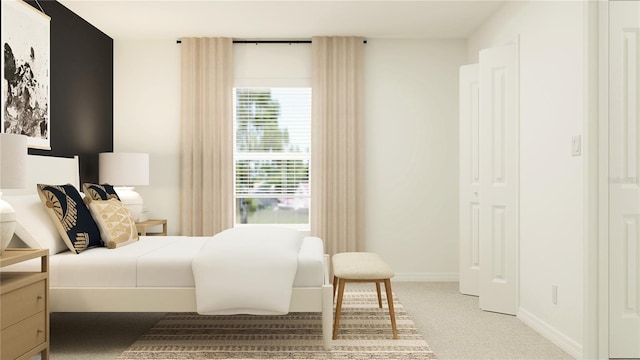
x: 576, y: 145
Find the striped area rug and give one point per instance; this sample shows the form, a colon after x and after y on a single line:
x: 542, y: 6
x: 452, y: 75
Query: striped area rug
x: 365, y: 333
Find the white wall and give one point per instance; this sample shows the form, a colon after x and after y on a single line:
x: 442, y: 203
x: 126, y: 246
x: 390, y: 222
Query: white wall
x: 272, y: 65
x: 146, y: 118
x: 411, y: 167
x: 551, y: 180
x: 411, y: 116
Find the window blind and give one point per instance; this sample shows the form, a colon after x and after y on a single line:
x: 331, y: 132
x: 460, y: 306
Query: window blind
x: 272, y: 136
x: 274, y: 120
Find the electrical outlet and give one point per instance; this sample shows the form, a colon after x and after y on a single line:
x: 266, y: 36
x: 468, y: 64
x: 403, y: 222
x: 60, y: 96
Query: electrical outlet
x: 554, y: 294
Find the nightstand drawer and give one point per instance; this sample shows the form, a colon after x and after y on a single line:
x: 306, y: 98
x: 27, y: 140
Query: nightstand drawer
x: 21, y: 303
x: 16, y: 340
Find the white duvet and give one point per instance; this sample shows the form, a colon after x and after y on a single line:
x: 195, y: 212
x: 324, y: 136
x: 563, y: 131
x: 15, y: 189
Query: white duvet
x: 247, y: 271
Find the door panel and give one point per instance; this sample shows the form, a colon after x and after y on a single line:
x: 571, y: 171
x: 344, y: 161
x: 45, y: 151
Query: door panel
x: 498, y: 195
x: 624, y: 179
x: 469, y: 179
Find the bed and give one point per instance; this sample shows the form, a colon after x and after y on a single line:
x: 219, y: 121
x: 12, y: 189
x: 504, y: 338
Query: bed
x: 152, y: 275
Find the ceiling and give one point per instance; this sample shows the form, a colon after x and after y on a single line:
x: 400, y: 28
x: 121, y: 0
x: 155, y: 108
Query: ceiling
x: 283, y: 19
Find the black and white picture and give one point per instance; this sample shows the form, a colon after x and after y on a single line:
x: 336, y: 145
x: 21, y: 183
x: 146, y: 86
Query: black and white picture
x: 25, y: 64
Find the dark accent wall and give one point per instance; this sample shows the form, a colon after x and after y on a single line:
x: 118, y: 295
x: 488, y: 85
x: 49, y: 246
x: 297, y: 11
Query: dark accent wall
x: 81, y: 89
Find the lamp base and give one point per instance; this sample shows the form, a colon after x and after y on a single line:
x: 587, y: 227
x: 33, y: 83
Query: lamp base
x: 144, y: 215
x: 7, y: 224
x: 131, y: 200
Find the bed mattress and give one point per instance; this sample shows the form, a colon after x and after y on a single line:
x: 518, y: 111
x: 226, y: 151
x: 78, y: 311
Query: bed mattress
x: 159, y: 261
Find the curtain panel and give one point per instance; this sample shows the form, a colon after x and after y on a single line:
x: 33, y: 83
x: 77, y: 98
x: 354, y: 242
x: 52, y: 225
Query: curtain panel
x: 337, y: 146
x: 206, y: 195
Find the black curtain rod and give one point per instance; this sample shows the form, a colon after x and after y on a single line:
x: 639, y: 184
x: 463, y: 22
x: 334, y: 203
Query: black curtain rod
x: 270, y: 41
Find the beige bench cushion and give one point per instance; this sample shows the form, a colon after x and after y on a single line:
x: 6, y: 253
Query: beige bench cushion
x: 360, y: 266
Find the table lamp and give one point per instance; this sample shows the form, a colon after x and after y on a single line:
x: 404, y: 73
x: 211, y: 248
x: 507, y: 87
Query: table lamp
x: 13, y: 175
x: 122, y: 170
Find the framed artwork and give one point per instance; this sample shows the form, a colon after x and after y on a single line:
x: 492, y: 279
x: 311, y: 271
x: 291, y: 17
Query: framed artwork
x: 26, y: 77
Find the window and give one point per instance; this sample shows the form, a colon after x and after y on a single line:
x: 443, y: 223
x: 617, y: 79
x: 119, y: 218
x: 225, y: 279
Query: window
x: 272, y: 141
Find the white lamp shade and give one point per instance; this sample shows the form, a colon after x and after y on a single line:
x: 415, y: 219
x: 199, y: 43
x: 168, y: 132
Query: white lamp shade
x: 13, y: 161
x: 124, y: 168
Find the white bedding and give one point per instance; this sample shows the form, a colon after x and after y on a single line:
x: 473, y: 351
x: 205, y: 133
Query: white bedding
x: 155, y: 261
x: 247, y: 271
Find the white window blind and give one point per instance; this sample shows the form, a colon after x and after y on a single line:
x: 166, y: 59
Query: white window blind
x: 272, y: 152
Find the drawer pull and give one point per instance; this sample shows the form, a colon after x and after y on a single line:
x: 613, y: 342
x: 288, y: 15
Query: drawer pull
x: 39, y: 298
x: 40, y: 331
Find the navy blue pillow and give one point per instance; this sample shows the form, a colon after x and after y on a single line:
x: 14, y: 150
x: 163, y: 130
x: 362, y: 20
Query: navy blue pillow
x: 99, y: 192
x: 70, y: 215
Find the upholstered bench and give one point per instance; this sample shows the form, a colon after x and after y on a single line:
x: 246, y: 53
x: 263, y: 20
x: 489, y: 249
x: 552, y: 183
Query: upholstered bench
x: 361, y: 267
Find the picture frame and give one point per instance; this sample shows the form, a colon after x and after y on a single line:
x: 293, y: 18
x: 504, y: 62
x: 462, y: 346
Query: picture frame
x: 26, y: 73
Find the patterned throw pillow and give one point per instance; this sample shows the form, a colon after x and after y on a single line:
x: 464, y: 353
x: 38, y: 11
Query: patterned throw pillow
x: 116, y: 224
x: 71, y: 217
x: 98, y: 192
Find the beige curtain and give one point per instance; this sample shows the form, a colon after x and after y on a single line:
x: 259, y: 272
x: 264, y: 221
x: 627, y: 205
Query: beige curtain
x: 206, y: 136
x: 337, y: 175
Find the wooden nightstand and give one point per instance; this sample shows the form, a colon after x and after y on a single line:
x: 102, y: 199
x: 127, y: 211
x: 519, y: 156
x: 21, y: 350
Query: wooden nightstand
x: 24, y: 310
x: 145, y: 225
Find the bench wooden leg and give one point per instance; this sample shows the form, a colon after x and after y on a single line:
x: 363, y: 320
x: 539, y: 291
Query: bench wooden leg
x: 392, y: 314
x: 379, y: 294
x: 336, y: 322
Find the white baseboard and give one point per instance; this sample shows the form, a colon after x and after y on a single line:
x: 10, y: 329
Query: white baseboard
x: 426, y: 277
x: 561, y: 340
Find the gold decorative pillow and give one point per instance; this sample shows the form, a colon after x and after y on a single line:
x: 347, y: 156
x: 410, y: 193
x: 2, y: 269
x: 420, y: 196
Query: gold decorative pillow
x: 116, y: 225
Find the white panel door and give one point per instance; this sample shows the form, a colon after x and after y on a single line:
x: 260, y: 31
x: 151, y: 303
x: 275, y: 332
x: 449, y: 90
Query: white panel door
x: 499, y: 179
x: 624, y: 179
x: 469, y: 179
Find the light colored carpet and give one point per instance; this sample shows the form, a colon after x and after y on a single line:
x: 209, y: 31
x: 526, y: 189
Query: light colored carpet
x: 457, y: 329
x: 365, y: 333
